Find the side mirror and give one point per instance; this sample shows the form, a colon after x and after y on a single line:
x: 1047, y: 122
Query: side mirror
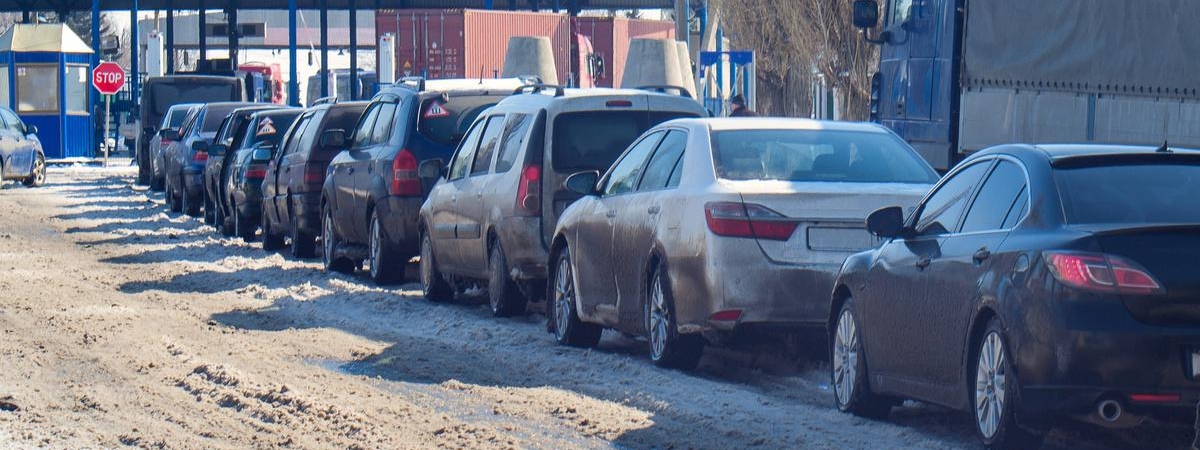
x: 333, y: 138
x: 200, y: 146
x: 866, y: 13
x: 171, y: 135
x: 31, y: 129
x: 886, y: 222
x: 430, y: 168
x: 217, y: 149
x: 583, y: 183
x: 261, y: 154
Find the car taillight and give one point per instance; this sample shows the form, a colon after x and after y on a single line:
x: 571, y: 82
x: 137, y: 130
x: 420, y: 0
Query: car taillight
x: 200, y: 157
x: 256, y: 171
x: 314, y: 174
x: 405, y: 181
x: 164, y: 142
x: 529, y: 197
x: 748, y: 220
x: 1101, y: 273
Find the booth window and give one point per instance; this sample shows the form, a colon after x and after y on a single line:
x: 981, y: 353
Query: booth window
x: 77, y: 89
x: 5, y: 95
x: 37, y: 88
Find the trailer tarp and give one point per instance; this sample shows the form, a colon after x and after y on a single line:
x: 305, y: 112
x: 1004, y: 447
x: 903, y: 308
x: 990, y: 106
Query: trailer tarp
x: 1149, y: 47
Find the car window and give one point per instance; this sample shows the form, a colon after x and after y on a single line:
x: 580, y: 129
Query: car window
x: 625, y: 175
x: 487, y: 145
x: 592, y: 140
x: 466, y: 152
x: 292, y: 143
x: 1157, y: 190
x: 383, y: 125
x: 445, y: 122
x: 817, y: 156
x: 516, y: 133
x: 309, y: 136
x: 12, y: 122
x: 676, y: 174
x: 362, y: 134
x: 662, y: 164
x: 941, y: 212
x: 995, y: 198
x: 899, y: 11
x: 1018, y: 210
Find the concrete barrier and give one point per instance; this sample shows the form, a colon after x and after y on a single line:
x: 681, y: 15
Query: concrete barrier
x: 652, y: 62
x: 530, y: 55
x: 685, y: 67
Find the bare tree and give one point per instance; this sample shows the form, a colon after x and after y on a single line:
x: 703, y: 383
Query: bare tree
x: 797, y: 40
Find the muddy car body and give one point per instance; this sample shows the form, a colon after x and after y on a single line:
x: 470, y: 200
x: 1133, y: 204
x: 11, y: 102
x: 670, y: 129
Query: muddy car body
x: 21, y: 154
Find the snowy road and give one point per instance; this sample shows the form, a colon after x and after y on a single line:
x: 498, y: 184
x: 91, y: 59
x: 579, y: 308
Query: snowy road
x: 125, y: 326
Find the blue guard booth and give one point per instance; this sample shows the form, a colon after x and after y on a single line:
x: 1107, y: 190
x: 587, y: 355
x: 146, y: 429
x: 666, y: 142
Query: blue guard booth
x: 44, y: 77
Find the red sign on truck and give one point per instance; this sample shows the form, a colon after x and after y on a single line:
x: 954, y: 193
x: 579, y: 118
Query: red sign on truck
x: 108, y: 78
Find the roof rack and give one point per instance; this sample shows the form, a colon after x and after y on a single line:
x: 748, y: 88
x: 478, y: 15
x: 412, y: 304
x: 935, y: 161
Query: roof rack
x: 664, y: 88
x: 538, y: 88
x: 323, y: 100
x: 416, y: 83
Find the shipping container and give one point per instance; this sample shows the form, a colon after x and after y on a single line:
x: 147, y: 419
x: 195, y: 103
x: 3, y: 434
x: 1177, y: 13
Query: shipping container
x: 467, y: 43
x: 610, y: 38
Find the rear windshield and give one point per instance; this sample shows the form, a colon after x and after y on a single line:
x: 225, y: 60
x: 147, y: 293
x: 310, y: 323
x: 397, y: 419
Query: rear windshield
x: 817, y: 155
x: 1130, y: 193
x: 592, y: 140
x: 175, y: 119
x: 213, y: 117
x: 269, y: 129
x: 447, y: 122
x: 344, y: 118
x: 167, y: 94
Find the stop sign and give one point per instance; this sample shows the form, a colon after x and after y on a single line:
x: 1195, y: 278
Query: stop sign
x: 108, y: 78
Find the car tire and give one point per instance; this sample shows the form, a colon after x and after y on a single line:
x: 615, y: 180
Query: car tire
x: 210, y: 217
x: 851, y: 390
x: 223, y: 224
x: 329, y: 244
x: 37, y: 177
x: 304, y: 245
x: 434, y: 286
x: 143, y: 162
x: 504, y: 296
x: 568, y: 328
x: 270, y: 241
x: 157, y: 184
x: 668, y: 348
x: 996, y: 394
x: 191, y: 204
x: 173, y: 201
x: 242, y: 227
x: 383, y: 264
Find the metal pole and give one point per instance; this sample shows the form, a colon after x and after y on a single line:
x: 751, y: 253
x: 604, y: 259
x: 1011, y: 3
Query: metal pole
x: 170, y: 41
x: 25, y: 16
x: 135, y: 48
x: 353, y: 50
x: 98, y: 47
x: 203, y: 59
x: 233, y: 36
x: 293, y: 73
x: 325, y: 48
x: 107, y: 124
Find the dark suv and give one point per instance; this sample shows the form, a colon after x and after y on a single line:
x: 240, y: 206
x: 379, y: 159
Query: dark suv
x: 291, y: 203
x: 372, y: 194
x: 492, y: 214
x: 160, y: 93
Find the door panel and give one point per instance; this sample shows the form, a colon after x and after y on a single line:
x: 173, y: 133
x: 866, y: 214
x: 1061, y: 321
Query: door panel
x: 472, y: 237
x: 896, y: 283
x: 957, y: 282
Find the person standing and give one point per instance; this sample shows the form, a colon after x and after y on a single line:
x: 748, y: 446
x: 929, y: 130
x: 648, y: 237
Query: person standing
x: 738, y: 104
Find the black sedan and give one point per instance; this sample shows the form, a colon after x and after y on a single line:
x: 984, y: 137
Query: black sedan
x: 1033, y: 282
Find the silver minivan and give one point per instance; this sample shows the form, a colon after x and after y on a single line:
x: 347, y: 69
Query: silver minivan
x: 491, y: 215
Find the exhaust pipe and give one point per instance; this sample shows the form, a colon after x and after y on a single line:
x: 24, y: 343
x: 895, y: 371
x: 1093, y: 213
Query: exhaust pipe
x: 1109, y: 410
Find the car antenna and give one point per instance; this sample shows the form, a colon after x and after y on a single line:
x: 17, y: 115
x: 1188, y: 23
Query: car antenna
x: 1164, y: 148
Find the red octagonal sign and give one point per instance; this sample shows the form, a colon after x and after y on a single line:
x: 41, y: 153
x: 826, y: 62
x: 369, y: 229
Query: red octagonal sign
x: 108, y: 78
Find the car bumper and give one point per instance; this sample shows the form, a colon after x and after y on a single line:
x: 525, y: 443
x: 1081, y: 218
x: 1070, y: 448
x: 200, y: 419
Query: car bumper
x: 734, y: 275
x: 193, y: 179
x: 400, y: 217
x: 1148, y: 369
x: 521, y: 238
x: 307, y: 212
x: 249, y: 199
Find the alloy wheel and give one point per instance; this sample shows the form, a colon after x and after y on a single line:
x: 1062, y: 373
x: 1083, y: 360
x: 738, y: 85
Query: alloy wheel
x: 564, y: 298
x: 990, y: 376
x: 660, y: 319
x: 845, y: 357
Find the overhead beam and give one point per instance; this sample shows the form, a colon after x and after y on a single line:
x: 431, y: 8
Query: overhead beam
x: 170, y: 38
x: 353, y: 50
x: 325, y: 50
x: 293, y: 71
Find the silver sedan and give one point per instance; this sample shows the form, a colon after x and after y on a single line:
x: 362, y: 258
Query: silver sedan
x: 709, y: 229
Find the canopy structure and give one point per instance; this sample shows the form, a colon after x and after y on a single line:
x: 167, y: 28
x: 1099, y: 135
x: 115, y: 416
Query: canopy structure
x: 149, y: 5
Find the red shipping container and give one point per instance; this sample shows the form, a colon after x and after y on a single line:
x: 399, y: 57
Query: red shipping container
x: 467, y: 43
x: 610, y: 38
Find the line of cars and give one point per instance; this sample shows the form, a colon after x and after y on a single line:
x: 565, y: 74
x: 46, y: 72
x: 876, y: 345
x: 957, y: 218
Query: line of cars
x: 1028, y: 284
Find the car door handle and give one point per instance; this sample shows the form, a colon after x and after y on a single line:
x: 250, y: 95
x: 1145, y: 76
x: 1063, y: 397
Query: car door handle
x: 923, y: 262
x: 654, y: 209
x: 610, y: 214
x: 981, y: 255
x: 371, y: 169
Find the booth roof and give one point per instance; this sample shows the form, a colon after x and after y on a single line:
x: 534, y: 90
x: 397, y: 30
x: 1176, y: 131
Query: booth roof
x: 47, y: 37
